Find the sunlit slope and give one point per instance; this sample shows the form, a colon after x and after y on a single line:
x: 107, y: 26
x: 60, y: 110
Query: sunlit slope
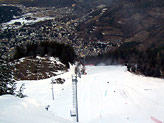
x: 111, y: 94
x: 16, y: 110
x: 106, y: 94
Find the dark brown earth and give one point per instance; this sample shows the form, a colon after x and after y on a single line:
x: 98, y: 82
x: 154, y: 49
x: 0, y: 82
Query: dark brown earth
x: 37, y: 68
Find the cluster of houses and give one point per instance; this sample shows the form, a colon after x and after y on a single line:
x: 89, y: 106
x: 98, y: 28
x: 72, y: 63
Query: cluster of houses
x: 61, y: 28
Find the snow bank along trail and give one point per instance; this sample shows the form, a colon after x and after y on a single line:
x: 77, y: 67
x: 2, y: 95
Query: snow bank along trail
x: 26, y: 110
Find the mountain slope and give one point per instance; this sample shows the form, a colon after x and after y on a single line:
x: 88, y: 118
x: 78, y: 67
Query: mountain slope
x: 106, y: 94
x: 128, y: 21
x: 41, y: 2
x: 8, y: 12
x: 133, y: 32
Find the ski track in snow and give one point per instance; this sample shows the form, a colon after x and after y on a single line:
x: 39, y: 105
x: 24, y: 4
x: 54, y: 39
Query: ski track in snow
x: 106, y: 94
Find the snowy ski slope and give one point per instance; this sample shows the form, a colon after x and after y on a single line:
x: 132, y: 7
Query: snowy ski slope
x: 107, y: 94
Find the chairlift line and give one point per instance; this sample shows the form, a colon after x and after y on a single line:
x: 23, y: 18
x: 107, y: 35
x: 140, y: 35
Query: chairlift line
x: 74, y: 112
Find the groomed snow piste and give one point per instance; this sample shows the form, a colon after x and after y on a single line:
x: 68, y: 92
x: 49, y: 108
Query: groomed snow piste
x: 107, y: 94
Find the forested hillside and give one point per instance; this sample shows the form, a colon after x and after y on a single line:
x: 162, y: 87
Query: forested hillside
x: 7, y: 13
x: 135, y: 31
x: 58, y: 3
x: 64, y: 52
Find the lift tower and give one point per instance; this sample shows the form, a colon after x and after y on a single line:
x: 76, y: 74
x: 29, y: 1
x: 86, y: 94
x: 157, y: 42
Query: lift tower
x: 74, y: 112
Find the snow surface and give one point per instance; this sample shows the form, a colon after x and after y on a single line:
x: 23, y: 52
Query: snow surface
x: 26, y: 110
x: 107, y: 94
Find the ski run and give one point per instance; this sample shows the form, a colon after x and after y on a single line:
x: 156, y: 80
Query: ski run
x: 106, y: 94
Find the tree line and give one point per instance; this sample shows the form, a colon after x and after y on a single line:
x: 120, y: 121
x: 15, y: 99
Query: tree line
x: 64, y: 52
x: 7, y: 84
x: 149, y: 62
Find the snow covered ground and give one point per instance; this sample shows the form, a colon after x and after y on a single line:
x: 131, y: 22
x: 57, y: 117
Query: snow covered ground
x: 24, y: 21
x: 111, y: 94
x: 16, y: 110
x: 106, y: 94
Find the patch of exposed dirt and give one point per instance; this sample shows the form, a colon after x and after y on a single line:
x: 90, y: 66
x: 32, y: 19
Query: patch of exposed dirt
x: 30, y: 68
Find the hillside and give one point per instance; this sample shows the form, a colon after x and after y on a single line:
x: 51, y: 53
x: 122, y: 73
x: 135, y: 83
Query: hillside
x: 41, y: 2
x: 134, y: 30
x: 8, y: 12
x: 122, y: 31
x: 126, y: 21
x: 35, y: 61
x: 30, y: 68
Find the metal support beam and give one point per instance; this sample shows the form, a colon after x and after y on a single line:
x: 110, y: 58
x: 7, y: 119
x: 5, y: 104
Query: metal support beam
x: 74, y: 112
x: 53, y: 81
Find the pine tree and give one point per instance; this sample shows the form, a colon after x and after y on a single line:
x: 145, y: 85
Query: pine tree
x: 7, y: 84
